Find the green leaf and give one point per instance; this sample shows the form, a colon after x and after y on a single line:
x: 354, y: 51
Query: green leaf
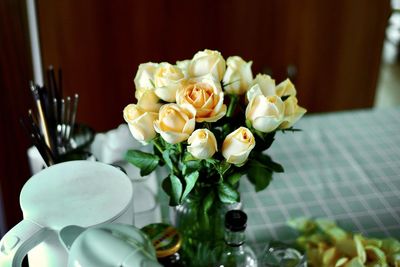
x: 167, y: 159
x: 223, y: 167
x: 263, y: 140
x: 248, y: 124
x: 259, y: 175
x: 269, y: 163
x: 166, y: 186
x: 159, y: 155
x: 212, y: 161
x: 176, y: 190
x: 172, y: 186
x: 190, y: 181
x: 227, y: 194
x: 208, y: 201
x: 188, y: 157
x: 234, y: 178
x: 191, y: 166
x: 145, y: 161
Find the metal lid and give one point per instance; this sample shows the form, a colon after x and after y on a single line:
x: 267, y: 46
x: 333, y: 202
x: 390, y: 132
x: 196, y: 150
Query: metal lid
x: 165, y: 238
x: 236, y: 220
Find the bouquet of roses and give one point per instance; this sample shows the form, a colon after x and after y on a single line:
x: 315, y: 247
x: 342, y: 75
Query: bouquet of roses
x: 210, y: 123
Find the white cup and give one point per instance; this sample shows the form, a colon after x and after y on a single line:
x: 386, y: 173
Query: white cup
x: 82, y: 193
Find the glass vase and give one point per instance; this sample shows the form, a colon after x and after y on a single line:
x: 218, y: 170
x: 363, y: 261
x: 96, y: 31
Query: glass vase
x: 201, y: 232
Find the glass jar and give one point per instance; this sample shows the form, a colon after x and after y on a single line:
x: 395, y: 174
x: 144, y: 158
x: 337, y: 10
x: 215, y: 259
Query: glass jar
x: 201, y: 232
x: 278, y: 254
x: 167, y: 241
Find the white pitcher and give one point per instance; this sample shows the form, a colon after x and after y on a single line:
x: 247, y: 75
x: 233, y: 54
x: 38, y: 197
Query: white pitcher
x: 108, y: 245
x: 79, y: 193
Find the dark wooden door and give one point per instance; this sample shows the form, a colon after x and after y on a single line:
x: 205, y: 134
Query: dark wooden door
x: 15, y: 99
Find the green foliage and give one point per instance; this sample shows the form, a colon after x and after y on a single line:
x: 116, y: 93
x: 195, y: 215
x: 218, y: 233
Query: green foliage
x: 190, y: 181
x: 268, y: 163
x: 259, y: 175
x: 208, y: 201
x: 172, y: 185
x: 146, y: 162
x: 260, y: 170
x: 227, y: 194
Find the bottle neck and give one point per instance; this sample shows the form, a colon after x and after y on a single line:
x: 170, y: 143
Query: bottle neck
x: 234, y: 239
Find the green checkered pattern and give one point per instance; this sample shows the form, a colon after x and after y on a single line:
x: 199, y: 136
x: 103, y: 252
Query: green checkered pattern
x: 343, y: 166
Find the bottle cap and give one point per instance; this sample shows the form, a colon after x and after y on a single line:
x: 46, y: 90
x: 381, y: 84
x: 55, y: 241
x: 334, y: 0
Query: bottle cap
x: 165, y: 238
x: 235, y: 220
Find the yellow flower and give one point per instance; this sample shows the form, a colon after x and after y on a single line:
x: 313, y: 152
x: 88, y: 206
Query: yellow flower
x: 262, y: 85
x: 202, y: 144
x: 293, y: 112
x: 175, y: 123
x: 140, y: 122
x: 238, y: 145
x: 265, y: 112
x: 167, y: 79
x: 140, y: 117
x: 238, y: 76
x: 206, y: 97
x: 285, y: 88
x: 144, y: 79
x: 207, y: 62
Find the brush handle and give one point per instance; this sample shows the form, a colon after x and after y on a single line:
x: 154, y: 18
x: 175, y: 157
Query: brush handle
x: 73, y: 115
x: 42, y: 118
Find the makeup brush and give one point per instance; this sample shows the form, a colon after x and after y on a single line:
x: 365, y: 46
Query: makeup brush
x: 43, y: 123
x: 73, y: 116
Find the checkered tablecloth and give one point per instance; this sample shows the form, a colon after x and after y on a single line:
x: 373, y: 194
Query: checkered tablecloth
x: 343, y: 166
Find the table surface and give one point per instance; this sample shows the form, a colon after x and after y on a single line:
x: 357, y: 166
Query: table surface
x: 343, y: 166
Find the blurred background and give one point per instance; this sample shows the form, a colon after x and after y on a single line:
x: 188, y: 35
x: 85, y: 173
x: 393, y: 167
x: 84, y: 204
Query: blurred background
x: 341, y: 55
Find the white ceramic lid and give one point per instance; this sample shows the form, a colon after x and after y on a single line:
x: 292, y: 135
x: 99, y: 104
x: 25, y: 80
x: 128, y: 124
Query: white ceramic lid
x: 82, y: 193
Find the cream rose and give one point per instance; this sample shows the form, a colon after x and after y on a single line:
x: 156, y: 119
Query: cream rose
x: 238, y: 145
x: 167, y: 79
x: 144, y: 79
x: 261, y: 85
x: 285, y: 88
x: 184, y: 66
x: 265, y: 112
x: 206, y: 97
x: 149, y: 101
x: 207, y: 62
x: 202, y: 144
x: 293, y: 112
x: 175, y: 123
x: 238, y: 76
x: 140, y: 122
x: 140, y: 117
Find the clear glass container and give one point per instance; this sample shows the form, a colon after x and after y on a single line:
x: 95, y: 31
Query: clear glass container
x: 279, y: 254
x: 235, y: 252
x: 201, y: 233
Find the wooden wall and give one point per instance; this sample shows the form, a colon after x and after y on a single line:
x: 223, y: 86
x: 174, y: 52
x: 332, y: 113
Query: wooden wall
x: 335, y: 46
